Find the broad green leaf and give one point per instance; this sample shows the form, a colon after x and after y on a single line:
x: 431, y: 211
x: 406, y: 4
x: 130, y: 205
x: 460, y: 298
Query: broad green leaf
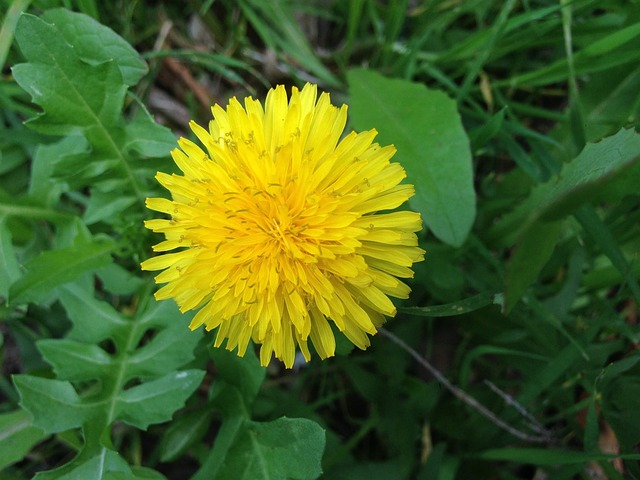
x: 425, y: 127
x: 26, y: 209
x: 54, y: 268
x: 54, y: 404
x: 17, y: 436
x: 9, y: 270
x: 95, y: 44
x: 172, y: 342
x: 284, y: 449
x: 155, y: 401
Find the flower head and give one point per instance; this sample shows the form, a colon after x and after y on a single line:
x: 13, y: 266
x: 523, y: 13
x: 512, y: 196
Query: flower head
x: 280, y: 227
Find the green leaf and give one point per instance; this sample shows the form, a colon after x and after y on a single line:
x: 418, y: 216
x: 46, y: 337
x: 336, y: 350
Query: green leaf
x: 104, y: 465
x: 103, y: 206
x: 93, y: 320
x: 455, y: 308
x: 119, y: 280
x: 74, y: 360
x: 155, y: 401
x: 147, y: 138
x: 598, y: 168
x: 619, y: 387
x: 9, y: 270
x: 44, y: 188
x: 425, y: 127
x: 184, y: 432
x: 244, y: 373
x: 17, y: 436
x: 96, y: 44
x: 545, y: 456
x: 146, y: 349
x: 54, y: 404
x: 284, y: 449
x: 74, y: 71
x: 57, y: 267
x: 75, y: 95
x: 481, y: 135
x: 532, y: 252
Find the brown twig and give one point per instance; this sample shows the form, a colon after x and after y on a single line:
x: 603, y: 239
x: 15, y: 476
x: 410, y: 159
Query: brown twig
x: 544, y: 436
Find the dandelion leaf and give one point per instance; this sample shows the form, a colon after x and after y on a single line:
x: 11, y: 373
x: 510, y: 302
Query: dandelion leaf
x: 109, y: 368
x: 79, y: 72
x: 425, y: 127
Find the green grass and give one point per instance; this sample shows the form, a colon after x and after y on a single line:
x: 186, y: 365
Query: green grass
x: 516, y: 122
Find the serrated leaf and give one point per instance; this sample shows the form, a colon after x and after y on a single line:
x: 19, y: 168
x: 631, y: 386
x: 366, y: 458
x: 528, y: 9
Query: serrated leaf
x: 96, y: 44
x: 148, y: 348
x: 54, y: 404
x: 93, y: 320
x: 600, y: 168
x: 81, y: 90
x: 425, y: 127
x: 284, y: 449
x: 43, y: 187
x: 74, y: 360
x: 173, y: 343
x: 17, y: 436
x: 75, y: 95
x: 54, y: 268
x: 155, y: 401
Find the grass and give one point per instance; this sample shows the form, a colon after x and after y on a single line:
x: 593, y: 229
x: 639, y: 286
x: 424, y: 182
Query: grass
x: 533, y: 314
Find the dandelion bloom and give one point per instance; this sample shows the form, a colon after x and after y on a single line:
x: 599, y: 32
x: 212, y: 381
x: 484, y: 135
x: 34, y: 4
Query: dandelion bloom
x: 281, y: 227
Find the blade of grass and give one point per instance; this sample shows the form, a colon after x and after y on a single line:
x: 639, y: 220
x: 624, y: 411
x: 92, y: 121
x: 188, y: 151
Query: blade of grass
x: 9, y: 27
x: 602, y: 236
x: 496, y: 32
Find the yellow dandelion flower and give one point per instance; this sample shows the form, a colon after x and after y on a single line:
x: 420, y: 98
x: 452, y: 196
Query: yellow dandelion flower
x: 280, y: 226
